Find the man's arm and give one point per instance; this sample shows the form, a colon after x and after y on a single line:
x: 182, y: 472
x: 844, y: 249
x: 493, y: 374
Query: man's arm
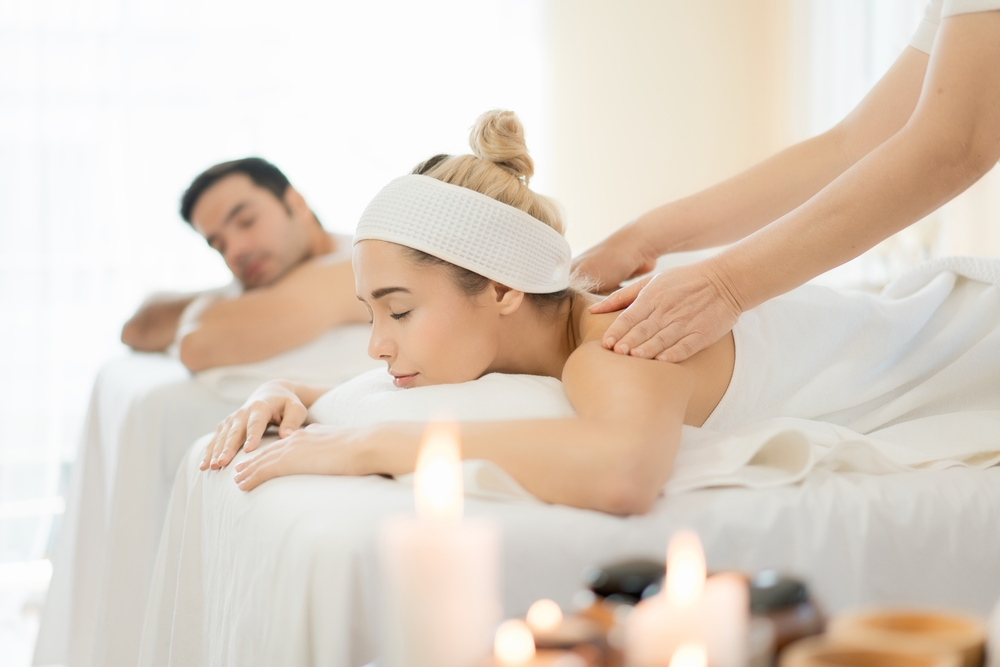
x: 154, y: 326
x: 260, y: 323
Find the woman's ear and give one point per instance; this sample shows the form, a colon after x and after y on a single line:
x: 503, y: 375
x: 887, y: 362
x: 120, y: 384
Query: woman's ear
x: 509, y: 300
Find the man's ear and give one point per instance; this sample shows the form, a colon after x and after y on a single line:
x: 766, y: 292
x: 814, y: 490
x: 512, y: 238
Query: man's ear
x: 509, y: 300
x: 296, y: 203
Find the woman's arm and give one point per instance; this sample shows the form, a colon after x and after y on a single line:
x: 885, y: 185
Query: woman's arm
x: 615, y: 457
x: 276, y: 402
x: 729, y: 211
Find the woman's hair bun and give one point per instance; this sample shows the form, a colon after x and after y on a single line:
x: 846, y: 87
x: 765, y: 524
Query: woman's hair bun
x: 498, y: 137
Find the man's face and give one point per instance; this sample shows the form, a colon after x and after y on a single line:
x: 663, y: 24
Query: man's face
x: 258, y: 236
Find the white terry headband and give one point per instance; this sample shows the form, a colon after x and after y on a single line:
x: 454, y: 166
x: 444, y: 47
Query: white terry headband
x: 470, y: 230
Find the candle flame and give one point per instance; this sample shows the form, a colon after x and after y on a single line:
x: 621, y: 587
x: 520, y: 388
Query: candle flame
x: 685, y: 569
x: 689, y: 655
x: 514, y: 644
x: 544, y: 615
x: 437, y: 482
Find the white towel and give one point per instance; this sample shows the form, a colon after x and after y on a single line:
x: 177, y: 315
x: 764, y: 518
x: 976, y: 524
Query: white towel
x: 814, y: 368
x: 335, y: 356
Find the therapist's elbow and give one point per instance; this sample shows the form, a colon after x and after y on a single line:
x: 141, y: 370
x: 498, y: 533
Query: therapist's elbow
x: 961, y: 155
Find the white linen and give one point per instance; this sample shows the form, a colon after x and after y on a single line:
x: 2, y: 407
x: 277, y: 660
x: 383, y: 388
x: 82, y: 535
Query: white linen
x: 145, y: 411
x: 285, y: 574
x: 335, y: 356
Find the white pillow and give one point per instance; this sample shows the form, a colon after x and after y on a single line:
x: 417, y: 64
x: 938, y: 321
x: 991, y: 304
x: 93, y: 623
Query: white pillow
x: 371, y: 398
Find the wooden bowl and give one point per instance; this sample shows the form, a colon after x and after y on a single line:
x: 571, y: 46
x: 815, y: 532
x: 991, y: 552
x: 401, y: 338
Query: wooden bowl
x: 821, y: 652
x: 912, y: 631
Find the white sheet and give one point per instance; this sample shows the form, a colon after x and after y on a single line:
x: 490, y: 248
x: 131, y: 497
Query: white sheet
x: 284, y: 574
x: 145, y: 411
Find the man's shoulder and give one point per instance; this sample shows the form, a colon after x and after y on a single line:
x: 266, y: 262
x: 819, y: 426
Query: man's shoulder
x: 341, y: 252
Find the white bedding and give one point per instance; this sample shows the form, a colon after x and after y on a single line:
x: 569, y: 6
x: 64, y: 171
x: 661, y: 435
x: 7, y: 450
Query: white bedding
x: 284, y: 575
x: 145, y: 411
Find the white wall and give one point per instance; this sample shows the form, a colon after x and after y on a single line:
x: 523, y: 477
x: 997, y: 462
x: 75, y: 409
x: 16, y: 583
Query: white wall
x: 652, y: 100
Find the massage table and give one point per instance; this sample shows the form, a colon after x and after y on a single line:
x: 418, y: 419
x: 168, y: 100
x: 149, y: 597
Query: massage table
x: 145, y: 411
x: 906, y: 513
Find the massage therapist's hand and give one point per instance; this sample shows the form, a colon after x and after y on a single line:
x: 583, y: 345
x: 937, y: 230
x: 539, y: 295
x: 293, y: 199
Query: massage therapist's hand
x: 622, y: 256
x: 672, y: 315
x: 272, y: 403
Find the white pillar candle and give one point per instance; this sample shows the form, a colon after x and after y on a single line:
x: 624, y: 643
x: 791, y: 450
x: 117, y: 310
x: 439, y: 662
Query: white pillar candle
x: 712, y: 613
x: 440, y: 573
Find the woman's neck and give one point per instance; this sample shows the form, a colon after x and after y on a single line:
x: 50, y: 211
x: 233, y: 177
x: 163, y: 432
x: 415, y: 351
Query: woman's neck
x: 539, y: 339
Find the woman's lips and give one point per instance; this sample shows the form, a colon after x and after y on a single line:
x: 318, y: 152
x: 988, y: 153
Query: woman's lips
x: 403, y: 381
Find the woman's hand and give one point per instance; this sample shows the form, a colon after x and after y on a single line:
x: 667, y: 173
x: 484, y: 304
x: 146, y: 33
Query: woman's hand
x: 272, y: 403
x: 622, y: 256
x: 672, y: 315
x: 318, y: 449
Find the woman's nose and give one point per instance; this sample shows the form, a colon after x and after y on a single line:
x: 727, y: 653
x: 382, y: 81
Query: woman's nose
x: 380, y: 347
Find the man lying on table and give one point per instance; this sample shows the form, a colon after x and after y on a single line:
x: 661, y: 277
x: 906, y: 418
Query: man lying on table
x: 293, y: 280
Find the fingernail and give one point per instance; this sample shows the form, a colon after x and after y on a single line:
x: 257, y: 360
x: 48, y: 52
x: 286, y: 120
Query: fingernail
x: 240, y: 466
x: 609, y: 343
x: 638, y: 353
x: 621, y: 349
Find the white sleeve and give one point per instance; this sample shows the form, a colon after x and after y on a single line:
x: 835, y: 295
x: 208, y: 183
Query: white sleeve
x: 923, y: 38
x: 952, y: 7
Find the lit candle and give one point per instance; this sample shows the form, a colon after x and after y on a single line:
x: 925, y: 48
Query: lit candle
x: 440, y: 573
x: 514, y: 643
x: 691, y: 613
x: 689, y: 655
x: 544, y: 616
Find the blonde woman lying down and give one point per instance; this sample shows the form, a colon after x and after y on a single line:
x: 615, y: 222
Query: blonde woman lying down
x: 464, y: 272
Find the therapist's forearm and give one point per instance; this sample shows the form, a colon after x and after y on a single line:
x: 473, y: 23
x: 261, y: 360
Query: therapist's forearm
x: 731, y: 210
x: 893, y: 186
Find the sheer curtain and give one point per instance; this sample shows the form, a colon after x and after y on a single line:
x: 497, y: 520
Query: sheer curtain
x: 840, y: 49
x: 109, y: 107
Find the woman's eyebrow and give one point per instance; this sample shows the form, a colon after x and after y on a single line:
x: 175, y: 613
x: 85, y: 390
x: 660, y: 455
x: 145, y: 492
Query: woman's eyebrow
x: 384, y: 291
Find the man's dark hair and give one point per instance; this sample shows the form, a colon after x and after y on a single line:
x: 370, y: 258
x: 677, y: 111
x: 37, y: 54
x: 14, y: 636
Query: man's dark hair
x: 261, y: 172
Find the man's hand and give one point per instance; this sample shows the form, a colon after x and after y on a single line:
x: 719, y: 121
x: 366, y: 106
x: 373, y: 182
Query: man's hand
x: 272, y: 403
x: 672, y: 315
x: 622, y: 256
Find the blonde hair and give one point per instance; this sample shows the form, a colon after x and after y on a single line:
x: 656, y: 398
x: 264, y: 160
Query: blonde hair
x: 499, y: 167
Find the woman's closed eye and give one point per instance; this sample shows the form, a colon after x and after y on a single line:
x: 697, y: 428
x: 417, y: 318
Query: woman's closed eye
x: 399, y: 316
